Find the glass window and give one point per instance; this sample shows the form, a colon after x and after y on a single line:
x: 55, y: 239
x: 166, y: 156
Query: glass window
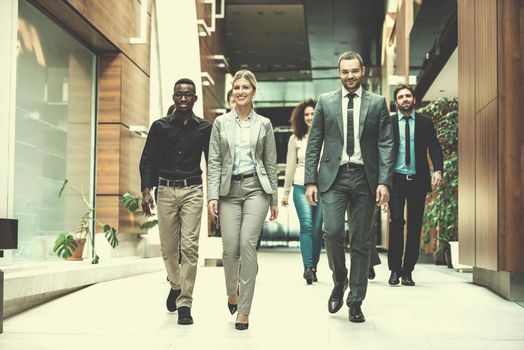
x: 54, y: 131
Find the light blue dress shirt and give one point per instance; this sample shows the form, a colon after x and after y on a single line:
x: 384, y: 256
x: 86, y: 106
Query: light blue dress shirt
x: 243, y: 162
x: 400, y: 165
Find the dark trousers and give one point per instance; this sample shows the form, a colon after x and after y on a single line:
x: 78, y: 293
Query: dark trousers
x: 410, y: 192
x: 350, y: 192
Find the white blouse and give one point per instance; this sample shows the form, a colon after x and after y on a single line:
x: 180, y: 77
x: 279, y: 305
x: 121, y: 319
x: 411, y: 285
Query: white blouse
x: 295, y: 161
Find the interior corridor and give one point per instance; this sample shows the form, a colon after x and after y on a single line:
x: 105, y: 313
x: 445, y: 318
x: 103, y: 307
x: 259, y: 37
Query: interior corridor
x: 444, y: 311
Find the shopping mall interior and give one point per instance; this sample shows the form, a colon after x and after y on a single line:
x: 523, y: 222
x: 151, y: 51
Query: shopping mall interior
x: 82, y: 81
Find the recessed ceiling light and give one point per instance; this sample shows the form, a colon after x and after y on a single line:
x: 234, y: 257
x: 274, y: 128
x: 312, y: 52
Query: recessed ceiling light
x: 244, y: 65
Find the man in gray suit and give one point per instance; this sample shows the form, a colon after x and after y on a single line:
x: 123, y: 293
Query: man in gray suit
x: 355, y: 174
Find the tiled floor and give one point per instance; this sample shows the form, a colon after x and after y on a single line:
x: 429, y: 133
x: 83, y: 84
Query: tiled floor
x: 444, y: 311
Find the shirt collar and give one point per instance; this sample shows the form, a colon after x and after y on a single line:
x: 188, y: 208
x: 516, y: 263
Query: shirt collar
x: 412, y: 115
x: 175, y: 117
x: 358, y: 92
x: 249, y: 117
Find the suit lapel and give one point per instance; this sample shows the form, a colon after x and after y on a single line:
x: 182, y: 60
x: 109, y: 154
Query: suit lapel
x: 395, y: 130
x: 254, y: 131
x: 338, y: 111
x: 231, y: 133
x: 364, y: 106
x: 417, y: 134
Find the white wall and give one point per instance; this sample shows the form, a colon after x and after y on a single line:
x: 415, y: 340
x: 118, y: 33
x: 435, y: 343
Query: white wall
x: 8, y: 32
x: 176, y: 54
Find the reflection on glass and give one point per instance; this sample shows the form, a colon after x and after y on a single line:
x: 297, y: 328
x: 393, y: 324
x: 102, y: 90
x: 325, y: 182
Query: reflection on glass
x: 53, y: 133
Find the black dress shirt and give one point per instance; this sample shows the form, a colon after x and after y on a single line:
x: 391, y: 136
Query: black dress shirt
x: 173, y: 150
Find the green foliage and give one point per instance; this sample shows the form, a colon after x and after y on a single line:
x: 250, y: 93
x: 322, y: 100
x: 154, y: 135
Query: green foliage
x: 442, y: 211
x: 65, y: 244
x: 132, y: 203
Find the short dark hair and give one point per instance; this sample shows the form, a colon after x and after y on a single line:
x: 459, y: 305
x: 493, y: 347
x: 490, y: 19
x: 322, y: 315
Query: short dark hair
x: 297, y: 118
x: 185, y: 81
x: 350, y: 55
x: 400, y: 87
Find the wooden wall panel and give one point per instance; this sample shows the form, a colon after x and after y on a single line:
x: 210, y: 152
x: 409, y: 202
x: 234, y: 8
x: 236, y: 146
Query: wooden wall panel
x: 486, y: 187
x: 135, y: 95
x: 466, y: 152
x: 485, y: 52
x: 511, y: 140
x: 131, y: 146
x: 108, y: 159
x: 109, y: 88
x: 118, y: 21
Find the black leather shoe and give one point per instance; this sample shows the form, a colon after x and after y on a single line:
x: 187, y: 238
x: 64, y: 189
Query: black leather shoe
x: 336, y: 298
x: 407, y: 280
x: 355, y: 314
x: 171, y: 299
x: 241, y: 326
x: 232, y: 307
x: 184, y: 315
x: 315, y: 279
x: 309, y: 275
x: 393, y: 278
x: 371, y: 273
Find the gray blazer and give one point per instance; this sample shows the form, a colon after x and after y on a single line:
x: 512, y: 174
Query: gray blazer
x: 376, y: 141
x: 222, y: 153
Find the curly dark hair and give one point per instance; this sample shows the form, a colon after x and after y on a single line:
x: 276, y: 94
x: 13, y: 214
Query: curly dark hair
x: 297, y: 118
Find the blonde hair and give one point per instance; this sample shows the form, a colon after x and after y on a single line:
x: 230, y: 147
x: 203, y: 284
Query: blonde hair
x: 245, y: 74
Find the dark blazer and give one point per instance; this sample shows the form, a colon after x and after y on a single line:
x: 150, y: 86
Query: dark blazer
x: 376, y: 141
x: 425, y: 141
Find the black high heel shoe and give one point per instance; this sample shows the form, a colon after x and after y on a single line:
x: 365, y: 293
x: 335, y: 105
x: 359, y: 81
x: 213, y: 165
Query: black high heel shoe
x: 241, y: 326
x: 232, y: 307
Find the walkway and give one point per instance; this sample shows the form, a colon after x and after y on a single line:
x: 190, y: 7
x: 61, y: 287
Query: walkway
x: 444, y: 311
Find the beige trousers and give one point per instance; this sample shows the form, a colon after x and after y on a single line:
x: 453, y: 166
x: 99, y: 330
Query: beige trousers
x: 179, y: 217
x: 242, y: 214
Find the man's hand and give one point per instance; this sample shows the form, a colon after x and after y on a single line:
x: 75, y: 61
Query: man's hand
x: 212, y: 206
x: 147, y: 201
x: 382, y: 196
x: 274, y: 212
x: 312, y: 194
x: 436, y: 179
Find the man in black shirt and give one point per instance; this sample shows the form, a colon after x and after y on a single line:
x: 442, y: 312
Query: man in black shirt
x: 171, y: 161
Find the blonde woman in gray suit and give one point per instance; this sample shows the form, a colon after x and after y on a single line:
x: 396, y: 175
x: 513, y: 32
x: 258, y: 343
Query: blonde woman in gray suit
x: 242, y: 186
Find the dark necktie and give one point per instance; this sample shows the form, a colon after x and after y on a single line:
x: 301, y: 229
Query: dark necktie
x: 351, y: 130
x: 407, y: 138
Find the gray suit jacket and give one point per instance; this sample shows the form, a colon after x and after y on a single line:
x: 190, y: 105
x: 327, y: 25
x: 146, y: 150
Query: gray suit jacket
x: 222, y: 153
x: 376, y: 141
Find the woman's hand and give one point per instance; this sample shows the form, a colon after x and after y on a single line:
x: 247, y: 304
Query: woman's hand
x: 274, y: 212
x: 212, y: 206
x: 285, y: 202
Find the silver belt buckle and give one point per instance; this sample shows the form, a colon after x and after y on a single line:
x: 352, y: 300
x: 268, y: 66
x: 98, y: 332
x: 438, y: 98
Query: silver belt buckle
x: 408, y: 177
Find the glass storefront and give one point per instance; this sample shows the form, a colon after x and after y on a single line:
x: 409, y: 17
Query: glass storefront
x: 54, y: 132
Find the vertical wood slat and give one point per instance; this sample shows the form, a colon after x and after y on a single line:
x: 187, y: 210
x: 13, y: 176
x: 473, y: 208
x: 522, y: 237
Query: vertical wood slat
x: 466, y: 151
x: 485, y: 52
x: 511, y: 140
x: 486, y: 187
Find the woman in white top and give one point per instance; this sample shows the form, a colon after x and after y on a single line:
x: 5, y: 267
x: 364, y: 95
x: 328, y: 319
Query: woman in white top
x: 310, y: 217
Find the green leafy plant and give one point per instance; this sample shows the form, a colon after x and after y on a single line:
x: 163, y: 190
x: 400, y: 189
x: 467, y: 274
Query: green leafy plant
x: 442, y: 210
x: 132, y: 203
x: 66, y: 243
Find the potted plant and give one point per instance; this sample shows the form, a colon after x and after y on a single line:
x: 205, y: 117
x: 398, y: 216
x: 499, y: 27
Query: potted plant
x: 442, y: 211
x: 71, y: 245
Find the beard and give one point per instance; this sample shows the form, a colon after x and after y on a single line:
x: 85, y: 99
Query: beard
x: 407, y: 109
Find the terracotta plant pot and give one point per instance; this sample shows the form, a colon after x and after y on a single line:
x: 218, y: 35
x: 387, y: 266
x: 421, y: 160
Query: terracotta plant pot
x: 79, y: 251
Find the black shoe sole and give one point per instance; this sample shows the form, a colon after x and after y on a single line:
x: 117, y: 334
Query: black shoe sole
x: 309, y: 281
x: 185, y: 321
x: 357, y: 320
x: 241, y: 326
